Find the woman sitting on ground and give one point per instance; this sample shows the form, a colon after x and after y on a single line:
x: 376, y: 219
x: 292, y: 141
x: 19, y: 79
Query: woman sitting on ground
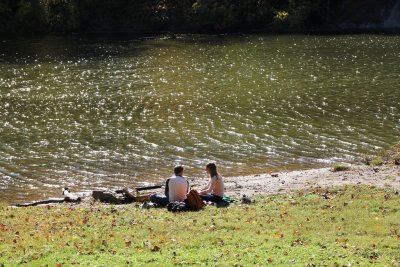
x: 214, y: 190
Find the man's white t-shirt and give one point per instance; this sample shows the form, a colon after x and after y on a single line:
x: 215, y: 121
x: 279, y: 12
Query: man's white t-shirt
x: 178, y: 188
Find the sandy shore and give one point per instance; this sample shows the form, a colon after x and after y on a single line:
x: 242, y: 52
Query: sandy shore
x: 387, y: 176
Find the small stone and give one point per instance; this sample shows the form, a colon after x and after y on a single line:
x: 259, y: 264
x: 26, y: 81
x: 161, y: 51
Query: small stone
x: 246, y: 200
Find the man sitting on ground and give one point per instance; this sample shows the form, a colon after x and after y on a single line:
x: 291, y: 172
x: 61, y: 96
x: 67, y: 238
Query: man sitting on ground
x: 176, y: 189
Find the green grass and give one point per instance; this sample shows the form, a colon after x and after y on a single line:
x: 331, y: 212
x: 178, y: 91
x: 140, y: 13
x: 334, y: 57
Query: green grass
x: 356, y: 225
x: 383, y: 156
x: 340, y: 167
x: 378, y: 161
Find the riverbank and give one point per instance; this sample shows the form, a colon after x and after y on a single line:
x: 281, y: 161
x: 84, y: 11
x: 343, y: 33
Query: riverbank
x: 386, y: 176
x: 279, y: 183
x: 356, y: 210
x: 341, y: 226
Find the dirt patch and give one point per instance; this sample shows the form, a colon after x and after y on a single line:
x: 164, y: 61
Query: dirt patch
x: 387, y: 176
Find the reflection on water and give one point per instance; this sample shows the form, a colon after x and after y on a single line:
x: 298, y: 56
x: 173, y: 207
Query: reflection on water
x: 96, y: 113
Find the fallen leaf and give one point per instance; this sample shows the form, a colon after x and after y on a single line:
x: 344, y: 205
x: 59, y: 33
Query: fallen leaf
x: 156, y: 248
x: 297, y: 242
x: 343, y: 242
x: 279, y: 235
x: 85, y: 220
x: 326, y: 196
x: 3, y: 227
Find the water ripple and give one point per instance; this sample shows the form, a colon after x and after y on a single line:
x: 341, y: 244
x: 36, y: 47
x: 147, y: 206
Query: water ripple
x: 93, y: 113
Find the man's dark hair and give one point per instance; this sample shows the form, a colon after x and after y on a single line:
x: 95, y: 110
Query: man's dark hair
x: 178, y: 170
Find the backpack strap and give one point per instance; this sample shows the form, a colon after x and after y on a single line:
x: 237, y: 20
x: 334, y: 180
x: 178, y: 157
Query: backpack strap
x: 166, y: 191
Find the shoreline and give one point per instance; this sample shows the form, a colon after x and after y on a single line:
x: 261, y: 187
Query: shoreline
x: 143, y: 36
x: 386, y: 176
x: 348, y: 226
x: 285, y: 182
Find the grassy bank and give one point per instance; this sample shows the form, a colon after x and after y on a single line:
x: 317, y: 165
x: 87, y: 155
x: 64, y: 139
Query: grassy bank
x: 357, y: 226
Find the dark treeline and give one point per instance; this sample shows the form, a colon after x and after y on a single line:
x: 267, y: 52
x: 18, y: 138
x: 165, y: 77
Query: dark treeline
x: 43, y: 16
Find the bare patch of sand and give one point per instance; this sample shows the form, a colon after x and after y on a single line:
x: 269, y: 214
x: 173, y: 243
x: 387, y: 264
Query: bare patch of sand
x: 387, y: 176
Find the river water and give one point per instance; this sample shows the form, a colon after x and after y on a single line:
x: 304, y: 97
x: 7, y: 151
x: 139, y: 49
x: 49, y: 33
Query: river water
x: 106, y: 112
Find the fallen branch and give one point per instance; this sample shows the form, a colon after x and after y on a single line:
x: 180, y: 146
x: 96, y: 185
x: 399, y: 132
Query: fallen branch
x: 69, y: 198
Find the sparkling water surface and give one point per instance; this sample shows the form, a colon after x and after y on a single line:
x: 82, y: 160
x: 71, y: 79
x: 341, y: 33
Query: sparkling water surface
x: 91, y: 112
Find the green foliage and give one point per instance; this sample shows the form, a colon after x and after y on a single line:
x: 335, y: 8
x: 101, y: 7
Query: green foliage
x: 213, y: 15
x: 354, y: 225
x: 18, y: 16
x: 230, y: 15
x: 281, y: 16
x: 63, y: 15
x: 38, y: 16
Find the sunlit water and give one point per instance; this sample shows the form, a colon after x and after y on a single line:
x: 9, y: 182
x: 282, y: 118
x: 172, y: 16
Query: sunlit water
x: 102, y: 113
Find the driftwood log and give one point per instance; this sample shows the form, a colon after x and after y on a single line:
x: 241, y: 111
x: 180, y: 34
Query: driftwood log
x: 119, y: 196
x: 68, y: 197
x: 49, y: 201
x: 110, y: 197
